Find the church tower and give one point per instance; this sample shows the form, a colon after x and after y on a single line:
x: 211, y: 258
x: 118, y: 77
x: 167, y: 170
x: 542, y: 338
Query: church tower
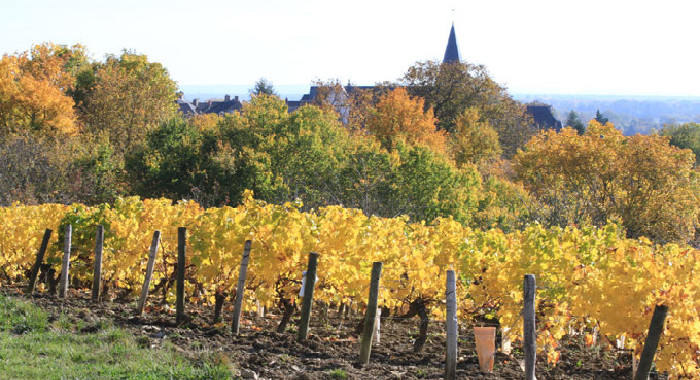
x: 451, y: 52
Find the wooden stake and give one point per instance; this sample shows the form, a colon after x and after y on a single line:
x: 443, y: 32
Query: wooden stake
x: 451, y: 327
x: 149, y: 272
x: 377, y: 326
x: 97, y: 272
x: 506, y: 346
x: 370, y: 314
x: 63, y: 283
x: 180, y: 296
x: 308, y: 297
x: 656, y: 328
x: 242, y: 272
x: 529, y: 332
x: 37, y: 264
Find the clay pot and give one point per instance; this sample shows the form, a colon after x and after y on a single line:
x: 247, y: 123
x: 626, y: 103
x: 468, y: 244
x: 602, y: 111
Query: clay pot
x: 485, y: 346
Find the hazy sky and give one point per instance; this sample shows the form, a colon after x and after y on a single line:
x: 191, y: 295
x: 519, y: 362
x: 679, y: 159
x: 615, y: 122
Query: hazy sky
x: 538, y: 46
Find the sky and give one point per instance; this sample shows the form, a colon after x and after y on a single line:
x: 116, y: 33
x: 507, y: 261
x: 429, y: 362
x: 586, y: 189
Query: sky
x: 603, y: 47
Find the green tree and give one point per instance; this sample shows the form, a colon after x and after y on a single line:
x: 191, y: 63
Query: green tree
x: 426, y: 186
x: 573, y: 120
x: 263, y: 87
x: 684, y: 136
x: 600, y: 118
x: 279, y: 156
x: 171, y: 163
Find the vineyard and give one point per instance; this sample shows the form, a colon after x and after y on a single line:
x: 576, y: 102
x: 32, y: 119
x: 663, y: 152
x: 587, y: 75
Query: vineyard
x: 590, y: 280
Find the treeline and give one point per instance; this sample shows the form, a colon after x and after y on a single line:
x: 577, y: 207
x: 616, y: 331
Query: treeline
x: 442, y: 141
x: 632, y: 115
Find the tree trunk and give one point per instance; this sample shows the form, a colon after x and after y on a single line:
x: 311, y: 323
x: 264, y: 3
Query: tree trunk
x: 423, y: 333
x: 287, y: 312
x: 219, y: 299
x: 52, y: 281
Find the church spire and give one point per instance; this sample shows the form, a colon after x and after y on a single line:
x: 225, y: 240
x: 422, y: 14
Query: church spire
x: 451, y: 52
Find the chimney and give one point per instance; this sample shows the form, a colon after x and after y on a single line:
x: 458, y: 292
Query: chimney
x: 195, y: 102
x: 227, y: 98
x: 236, y: 99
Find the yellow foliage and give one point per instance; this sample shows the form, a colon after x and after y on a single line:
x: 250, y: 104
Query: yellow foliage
x: 585, y: 277
x: 603, y: 175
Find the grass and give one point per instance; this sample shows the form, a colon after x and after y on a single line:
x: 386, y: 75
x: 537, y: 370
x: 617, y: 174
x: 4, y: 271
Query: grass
x: 338, y: 373
x: 33, y: 348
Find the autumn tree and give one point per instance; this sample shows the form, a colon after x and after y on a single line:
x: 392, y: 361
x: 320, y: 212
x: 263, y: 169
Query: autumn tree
x: 474, y: 140
x: 130, y: 96
x: 451, y: 88
x: 33, y: 88
x: 398, y: 116
x: 353, y: 104
x: 641, y: 181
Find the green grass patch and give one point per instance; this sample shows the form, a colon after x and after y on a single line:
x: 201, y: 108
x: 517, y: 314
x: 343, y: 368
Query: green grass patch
x: 32, y: 348
x: 338, y: 373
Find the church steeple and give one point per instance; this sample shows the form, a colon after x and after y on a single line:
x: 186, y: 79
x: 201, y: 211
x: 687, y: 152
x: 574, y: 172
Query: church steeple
x: 451, y: 52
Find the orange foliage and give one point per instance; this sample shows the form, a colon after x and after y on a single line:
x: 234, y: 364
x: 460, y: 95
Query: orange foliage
x: 399, y: 116
x: 32, y: 101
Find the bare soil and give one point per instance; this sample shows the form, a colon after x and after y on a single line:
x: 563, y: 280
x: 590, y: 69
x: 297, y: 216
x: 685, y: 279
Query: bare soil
x: 332, y: 347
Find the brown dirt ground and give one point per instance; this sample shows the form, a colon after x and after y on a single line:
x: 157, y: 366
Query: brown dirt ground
x: 332, y: 344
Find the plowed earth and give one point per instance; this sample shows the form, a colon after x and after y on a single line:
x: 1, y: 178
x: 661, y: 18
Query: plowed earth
x: 332, y: 347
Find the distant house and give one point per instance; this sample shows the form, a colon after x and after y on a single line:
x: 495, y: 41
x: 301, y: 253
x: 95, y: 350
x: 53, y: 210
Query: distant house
x: 215, y: 106
x: 543, y: 117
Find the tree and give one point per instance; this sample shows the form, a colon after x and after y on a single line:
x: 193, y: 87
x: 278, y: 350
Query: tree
x: 32, y: 94
x: 130, y: 96
x: 280, y: 156
x: 263, y: 86
x: 684, y: 136
x: 353, y: 104
x: 398, y: 116
x: 451, y: 88
x: 573, y: 120
x: 600, y: 118
x: 427, y: 186
x: 474, y: 141
x: 641, y: 181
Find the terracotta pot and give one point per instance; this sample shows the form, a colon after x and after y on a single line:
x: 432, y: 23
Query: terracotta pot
x: 485, y: 346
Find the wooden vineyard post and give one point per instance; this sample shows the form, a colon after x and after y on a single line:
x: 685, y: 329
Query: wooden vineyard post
x: 235, y: 326
x: 377, y: 326
x: 370, y: 314
x: 97, y: 273
x: 37, y: 264
x: 656, y: 328
x: 529, y: 332
x: 65, y: 268
x: 451, y: 326
x: 308, y: 296
x: 180, y: 296
x: 149, y: 272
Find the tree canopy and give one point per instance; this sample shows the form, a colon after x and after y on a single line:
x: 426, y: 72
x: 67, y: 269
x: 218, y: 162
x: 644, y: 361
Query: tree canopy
x: 641, y: 181
x: 452, y: 88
